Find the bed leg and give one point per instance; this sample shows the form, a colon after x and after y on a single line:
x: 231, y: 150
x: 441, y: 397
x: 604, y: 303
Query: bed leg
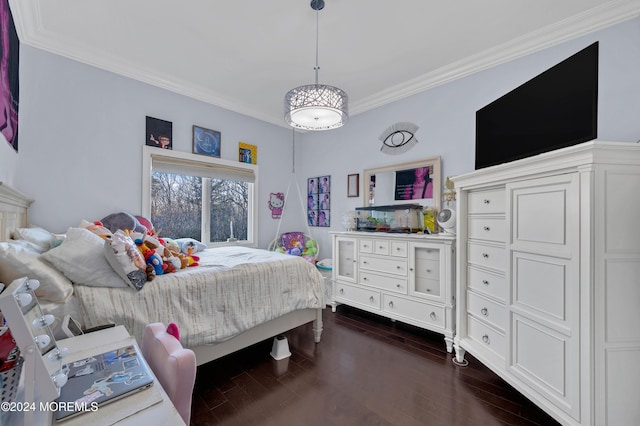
x: 317, y: 326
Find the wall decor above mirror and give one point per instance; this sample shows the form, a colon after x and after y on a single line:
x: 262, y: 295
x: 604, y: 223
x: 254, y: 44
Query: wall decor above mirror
x: 416, y: 182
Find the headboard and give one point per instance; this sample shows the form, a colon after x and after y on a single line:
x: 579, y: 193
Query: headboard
x: 14, y: 210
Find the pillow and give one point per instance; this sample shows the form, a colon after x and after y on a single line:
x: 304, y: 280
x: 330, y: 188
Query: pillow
x: 81, y: 258
x: 23, y: 259
x: 124, y: 221
x: 125, y: 258
x: 186, y: 243
x: 36, y: 235
x: 291, y: 240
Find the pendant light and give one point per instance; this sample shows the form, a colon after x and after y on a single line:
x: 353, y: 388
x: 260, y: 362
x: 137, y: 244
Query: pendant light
x: 316, y: 106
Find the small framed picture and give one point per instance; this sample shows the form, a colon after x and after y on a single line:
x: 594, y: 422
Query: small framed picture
x: 353, y: 185
x: 206, y: 141
x: 159, y: 133
x: 247, y: 153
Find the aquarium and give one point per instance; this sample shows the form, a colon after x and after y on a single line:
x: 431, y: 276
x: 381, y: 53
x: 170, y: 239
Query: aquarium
x: 406, y: 218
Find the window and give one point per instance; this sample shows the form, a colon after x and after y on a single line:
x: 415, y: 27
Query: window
x: 206, y: 198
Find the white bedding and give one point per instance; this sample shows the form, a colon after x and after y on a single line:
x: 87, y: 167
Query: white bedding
x: 233, y: 290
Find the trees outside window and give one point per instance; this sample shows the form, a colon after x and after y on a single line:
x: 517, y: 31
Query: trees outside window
x: 201, y: 198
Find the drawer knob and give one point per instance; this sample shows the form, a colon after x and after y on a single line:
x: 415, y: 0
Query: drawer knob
x: 411, y: 269
x: 397, y: 248
x: 364, y: 278
x: 398, y: 267
x: 486, y: 201
x: 365, y: 262
x: 380, y: 247
x: 485, y: 339
x: 428, y: 270
x: 433, y: 316
x: 391, y: 304
x: 371, y: 299
x: 484, y: 311
x: 485, y: 282
x: 486, y: 228
x: 342, y: 291
x: 485, y: 255
x: 398, y: 285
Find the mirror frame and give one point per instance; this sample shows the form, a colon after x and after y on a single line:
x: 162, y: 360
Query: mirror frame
x: 436, y: 178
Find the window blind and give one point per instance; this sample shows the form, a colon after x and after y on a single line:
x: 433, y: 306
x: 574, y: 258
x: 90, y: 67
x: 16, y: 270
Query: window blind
x: 209, y: 169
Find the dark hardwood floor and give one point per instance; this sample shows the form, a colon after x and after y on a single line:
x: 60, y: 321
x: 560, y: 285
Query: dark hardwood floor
x: 366, y: 370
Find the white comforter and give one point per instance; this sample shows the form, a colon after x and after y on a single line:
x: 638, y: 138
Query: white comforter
x: 233, y: 289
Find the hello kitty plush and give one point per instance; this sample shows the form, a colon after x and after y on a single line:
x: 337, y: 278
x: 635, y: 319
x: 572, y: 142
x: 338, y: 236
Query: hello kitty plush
x: 276, y: 203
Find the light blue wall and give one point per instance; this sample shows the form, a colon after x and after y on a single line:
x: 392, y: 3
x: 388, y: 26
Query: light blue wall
x: 446, y: 115
x: 82, y: 129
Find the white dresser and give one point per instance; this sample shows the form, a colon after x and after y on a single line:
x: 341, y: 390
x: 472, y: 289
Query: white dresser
x: 405, y: 277
x: 548, y: 279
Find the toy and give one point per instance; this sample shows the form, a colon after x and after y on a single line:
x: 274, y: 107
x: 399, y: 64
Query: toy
x: 150, y: 257
x: 97, y: 228
x: 310, y: 249
x: 192, y: 259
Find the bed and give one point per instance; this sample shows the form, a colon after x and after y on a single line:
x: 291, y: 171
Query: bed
x: 236, y: 297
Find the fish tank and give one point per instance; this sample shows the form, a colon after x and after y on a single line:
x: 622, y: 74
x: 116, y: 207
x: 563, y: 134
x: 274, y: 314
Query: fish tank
x: 401, y: 218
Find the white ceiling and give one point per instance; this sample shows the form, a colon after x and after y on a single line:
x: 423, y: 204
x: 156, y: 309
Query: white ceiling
x: 245, y: 55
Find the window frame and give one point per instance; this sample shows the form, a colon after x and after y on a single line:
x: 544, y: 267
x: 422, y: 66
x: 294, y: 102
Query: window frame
x: 149, y: 154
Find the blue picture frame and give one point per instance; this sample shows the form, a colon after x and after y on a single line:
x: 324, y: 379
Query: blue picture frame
x: 206, y: 141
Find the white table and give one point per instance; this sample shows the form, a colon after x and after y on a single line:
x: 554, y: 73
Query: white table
x: 151, y: 406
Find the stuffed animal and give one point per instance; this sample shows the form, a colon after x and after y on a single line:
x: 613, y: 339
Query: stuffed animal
x: 97, y: 228
x: 192, y: 259
x: 150, y: 257
x: 311, y: 248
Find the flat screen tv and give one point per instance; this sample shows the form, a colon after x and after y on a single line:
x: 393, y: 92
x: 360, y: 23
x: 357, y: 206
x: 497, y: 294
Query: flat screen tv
x: 555, y: 109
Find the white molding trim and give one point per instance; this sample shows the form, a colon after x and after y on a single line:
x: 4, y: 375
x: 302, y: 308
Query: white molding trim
x: 31, y: 32
x: 595, y: 19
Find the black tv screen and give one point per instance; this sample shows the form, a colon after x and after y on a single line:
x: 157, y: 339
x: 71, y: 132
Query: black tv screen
x: 555, y: 109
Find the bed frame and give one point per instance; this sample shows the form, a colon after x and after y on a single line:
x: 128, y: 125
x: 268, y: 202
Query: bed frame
x: 14, y: 211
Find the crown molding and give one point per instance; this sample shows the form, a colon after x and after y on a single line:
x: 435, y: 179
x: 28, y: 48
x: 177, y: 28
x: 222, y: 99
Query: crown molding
x: 594, y: 19
x: 31, y: 32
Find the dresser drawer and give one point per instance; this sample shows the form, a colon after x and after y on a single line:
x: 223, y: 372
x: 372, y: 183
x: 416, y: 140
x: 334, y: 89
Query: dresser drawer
x: 427, y: 268
x: 356, y: 295
x: 487, y: 201
x: 399, y: 248
x: 487, y: 283
x: 384, y: 282
x: 365, y: 245
x: 487, y: 228
x: 489, y: 256
x: 384, y: 264
x: 381, y: 246
x: 489, y: 338
x: 487, y: 310
x: 416, y: 311
x: 425, y: 287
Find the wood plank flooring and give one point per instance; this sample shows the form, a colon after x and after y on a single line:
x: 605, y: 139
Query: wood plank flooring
x: 367, y: 370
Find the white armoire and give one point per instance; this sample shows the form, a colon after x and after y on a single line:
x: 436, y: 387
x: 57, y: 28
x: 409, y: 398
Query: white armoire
x: 548, y: 279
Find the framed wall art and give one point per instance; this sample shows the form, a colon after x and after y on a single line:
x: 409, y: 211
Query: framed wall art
x: 353, y: 185
x: 9, y: 74
x: 159, y: 133
x: 206, y: 141
x: 247, y: 153
x: 319, y: 201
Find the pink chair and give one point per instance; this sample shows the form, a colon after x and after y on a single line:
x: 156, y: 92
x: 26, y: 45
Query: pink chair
x: 173, y: 365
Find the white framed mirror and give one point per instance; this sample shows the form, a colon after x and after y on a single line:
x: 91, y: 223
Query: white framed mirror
x: 401, y: 183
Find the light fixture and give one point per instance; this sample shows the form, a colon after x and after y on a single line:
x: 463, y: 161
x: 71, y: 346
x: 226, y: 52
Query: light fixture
x: 316, y: 106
